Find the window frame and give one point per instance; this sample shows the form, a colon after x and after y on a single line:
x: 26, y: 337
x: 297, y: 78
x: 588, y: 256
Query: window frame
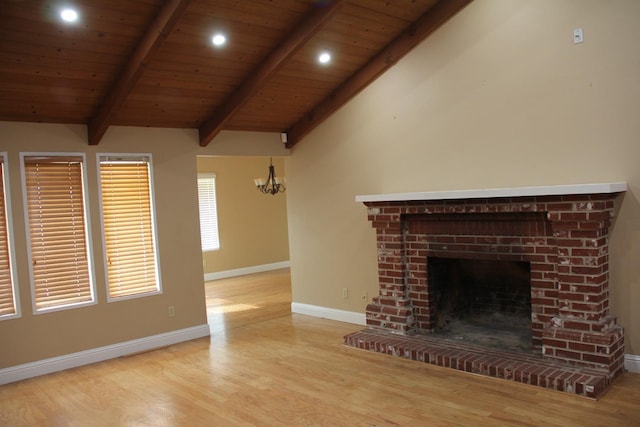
x: 100, y: 157
x: 87, y: 231
x: 4, y: 164
x: 210, y: 175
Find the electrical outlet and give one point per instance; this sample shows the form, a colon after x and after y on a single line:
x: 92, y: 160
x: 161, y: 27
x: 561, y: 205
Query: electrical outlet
x: 172, y: 311
x: 345, y: 293
x: 578, y: 37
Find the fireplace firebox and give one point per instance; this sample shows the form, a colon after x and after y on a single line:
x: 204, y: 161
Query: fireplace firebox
x: 484, y: 302
x: 511, y: 283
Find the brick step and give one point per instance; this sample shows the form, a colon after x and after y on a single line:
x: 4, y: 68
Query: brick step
x: 519, y: 367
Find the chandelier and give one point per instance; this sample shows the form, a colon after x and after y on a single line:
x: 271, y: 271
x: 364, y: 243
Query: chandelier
x: 272, y: 184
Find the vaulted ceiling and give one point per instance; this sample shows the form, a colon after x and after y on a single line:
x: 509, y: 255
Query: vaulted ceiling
x: 152, y: 62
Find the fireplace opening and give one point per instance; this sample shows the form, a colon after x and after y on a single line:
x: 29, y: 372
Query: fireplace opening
x: 482, y: 302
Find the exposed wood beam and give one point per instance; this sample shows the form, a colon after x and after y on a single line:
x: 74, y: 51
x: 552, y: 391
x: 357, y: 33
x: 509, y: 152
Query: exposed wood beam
x: 392, y: 53
x: 157, y: 32
x: 307, y: 28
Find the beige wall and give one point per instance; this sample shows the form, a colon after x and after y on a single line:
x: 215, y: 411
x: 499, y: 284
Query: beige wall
x: 252, y: 226
x: 498, y: 97
x: 35, y: 337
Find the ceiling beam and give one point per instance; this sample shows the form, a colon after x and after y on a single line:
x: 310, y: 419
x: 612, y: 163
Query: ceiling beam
x: 156, y: 33
x: 255, y: 81
x: 430, y: 21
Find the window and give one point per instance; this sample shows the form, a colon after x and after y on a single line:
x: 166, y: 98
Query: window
x: 8, y: 292
x: 128, y: 225
x: 208, y: 212
x: 58, y: 239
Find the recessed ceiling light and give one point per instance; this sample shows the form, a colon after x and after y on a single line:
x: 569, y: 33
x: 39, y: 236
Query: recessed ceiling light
x: 324, y: 57
x: 69, y: 15
x: 218, y: 39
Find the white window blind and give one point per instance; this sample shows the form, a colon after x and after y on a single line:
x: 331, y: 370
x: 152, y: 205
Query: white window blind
x: 57, y: 231
x: 8, y: 301
x: 129, y: 231
x: 208, y: 212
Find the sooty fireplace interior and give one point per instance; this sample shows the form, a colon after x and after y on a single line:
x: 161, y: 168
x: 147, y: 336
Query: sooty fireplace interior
x: 511, y: 283
x: 484, y: 302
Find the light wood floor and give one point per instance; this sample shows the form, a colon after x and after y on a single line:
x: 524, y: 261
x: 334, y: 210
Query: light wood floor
x: 263, y: 366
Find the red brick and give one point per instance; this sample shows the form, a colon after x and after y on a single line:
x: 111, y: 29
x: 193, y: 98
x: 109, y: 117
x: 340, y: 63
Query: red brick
x: 599, y: 339
x: 591, y: 270
x: 548, y: 342
x: 570, y: 296
x: 595, y: 242
x: 563, y: 334
x: 600, y: 215
x: 564, y: 225
x: 579, y: 326
x: 597, y: 280
x: 594, y: 225
x: 569, y: 355
x: 587, y: 252
x: 582, y: 347
x: 566, y: 278
x: 587, y: 233
x: 571, y: 243
x: 585, y: 308
x: 559, y: 206
x: 573, y: 216
x: 596, y: 298
x: 598, y: 359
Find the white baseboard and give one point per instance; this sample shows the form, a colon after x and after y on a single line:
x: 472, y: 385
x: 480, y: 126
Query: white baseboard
x: 632, y: 363
x: 329, y: 313
x: 246, y: 270
x: 73, y: 360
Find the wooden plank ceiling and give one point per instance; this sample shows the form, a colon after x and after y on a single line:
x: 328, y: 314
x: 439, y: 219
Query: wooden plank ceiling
x: 152, y: 63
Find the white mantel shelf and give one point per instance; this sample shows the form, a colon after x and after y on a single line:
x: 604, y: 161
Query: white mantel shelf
x: 553, y: 190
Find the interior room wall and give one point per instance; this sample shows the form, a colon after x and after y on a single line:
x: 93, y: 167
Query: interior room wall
x: 252, y: 226
x: 32, y: 337
x: 500, y: 96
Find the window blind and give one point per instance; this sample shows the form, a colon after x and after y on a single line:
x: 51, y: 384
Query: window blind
x: 7, y: 297
x: 58, y: 241
x: 128, y: 227
x: 209, y: 237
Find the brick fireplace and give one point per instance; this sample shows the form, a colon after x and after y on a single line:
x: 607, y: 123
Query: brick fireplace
x: 556, y: 237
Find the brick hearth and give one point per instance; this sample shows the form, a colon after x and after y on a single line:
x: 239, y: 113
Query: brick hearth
x: 523, y: 368
x: 579, y: 347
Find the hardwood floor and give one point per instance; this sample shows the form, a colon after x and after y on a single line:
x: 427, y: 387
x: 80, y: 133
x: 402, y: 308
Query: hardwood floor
x: 263, y: 366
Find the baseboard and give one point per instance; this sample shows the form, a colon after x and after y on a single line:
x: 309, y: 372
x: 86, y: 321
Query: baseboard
x: 328, y: 313
x: 246, y: 270
x: 632, y: 363
x: 73, y: 360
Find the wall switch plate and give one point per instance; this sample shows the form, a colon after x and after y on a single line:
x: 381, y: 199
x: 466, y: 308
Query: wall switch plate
x: 578, y: 37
